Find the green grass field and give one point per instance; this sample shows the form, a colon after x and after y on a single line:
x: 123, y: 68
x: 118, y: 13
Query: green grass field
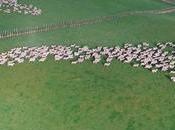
x: 59, y: 96
x: 62, y: 10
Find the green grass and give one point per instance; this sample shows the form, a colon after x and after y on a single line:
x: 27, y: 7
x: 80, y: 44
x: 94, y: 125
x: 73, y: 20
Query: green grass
x: 90, y: 97
x: 60, y: 10
x: 132, y: 29
x: 59, y: 96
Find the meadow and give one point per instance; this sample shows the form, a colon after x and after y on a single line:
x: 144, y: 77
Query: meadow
x: 60, y: 96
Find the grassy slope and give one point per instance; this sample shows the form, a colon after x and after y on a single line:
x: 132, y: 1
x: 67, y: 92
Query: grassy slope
x: 90, y: 97
x: 60, y: 96
x: 126, y: 29
x: 59, y: 10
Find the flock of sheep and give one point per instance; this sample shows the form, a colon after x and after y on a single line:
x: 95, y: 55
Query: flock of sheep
x: 8, y: 7
x: 158, y: 58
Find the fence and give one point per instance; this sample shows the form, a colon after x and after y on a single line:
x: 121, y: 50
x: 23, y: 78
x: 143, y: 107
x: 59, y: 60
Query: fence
x: 50, y: 27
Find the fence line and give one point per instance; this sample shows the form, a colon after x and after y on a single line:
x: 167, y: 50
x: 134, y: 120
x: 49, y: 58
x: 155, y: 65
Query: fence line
x: 51, y: 27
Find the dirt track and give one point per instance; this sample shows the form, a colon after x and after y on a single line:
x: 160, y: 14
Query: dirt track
x: 169, y: 1
x: 170, y: 10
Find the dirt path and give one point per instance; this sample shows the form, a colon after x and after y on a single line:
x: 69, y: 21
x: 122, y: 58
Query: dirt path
x: 171, y: 10
x: 97, y: 20
x: 172, y: 2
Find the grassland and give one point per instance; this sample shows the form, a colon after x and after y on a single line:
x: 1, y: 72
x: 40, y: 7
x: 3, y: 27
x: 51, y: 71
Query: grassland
x: 132, y: 29
x: 55, y: 11
x: 60, y: 96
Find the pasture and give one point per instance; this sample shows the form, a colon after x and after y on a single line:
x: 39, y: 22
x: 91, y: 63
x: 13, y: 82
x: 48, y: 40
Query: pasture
x: 60, y: 96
